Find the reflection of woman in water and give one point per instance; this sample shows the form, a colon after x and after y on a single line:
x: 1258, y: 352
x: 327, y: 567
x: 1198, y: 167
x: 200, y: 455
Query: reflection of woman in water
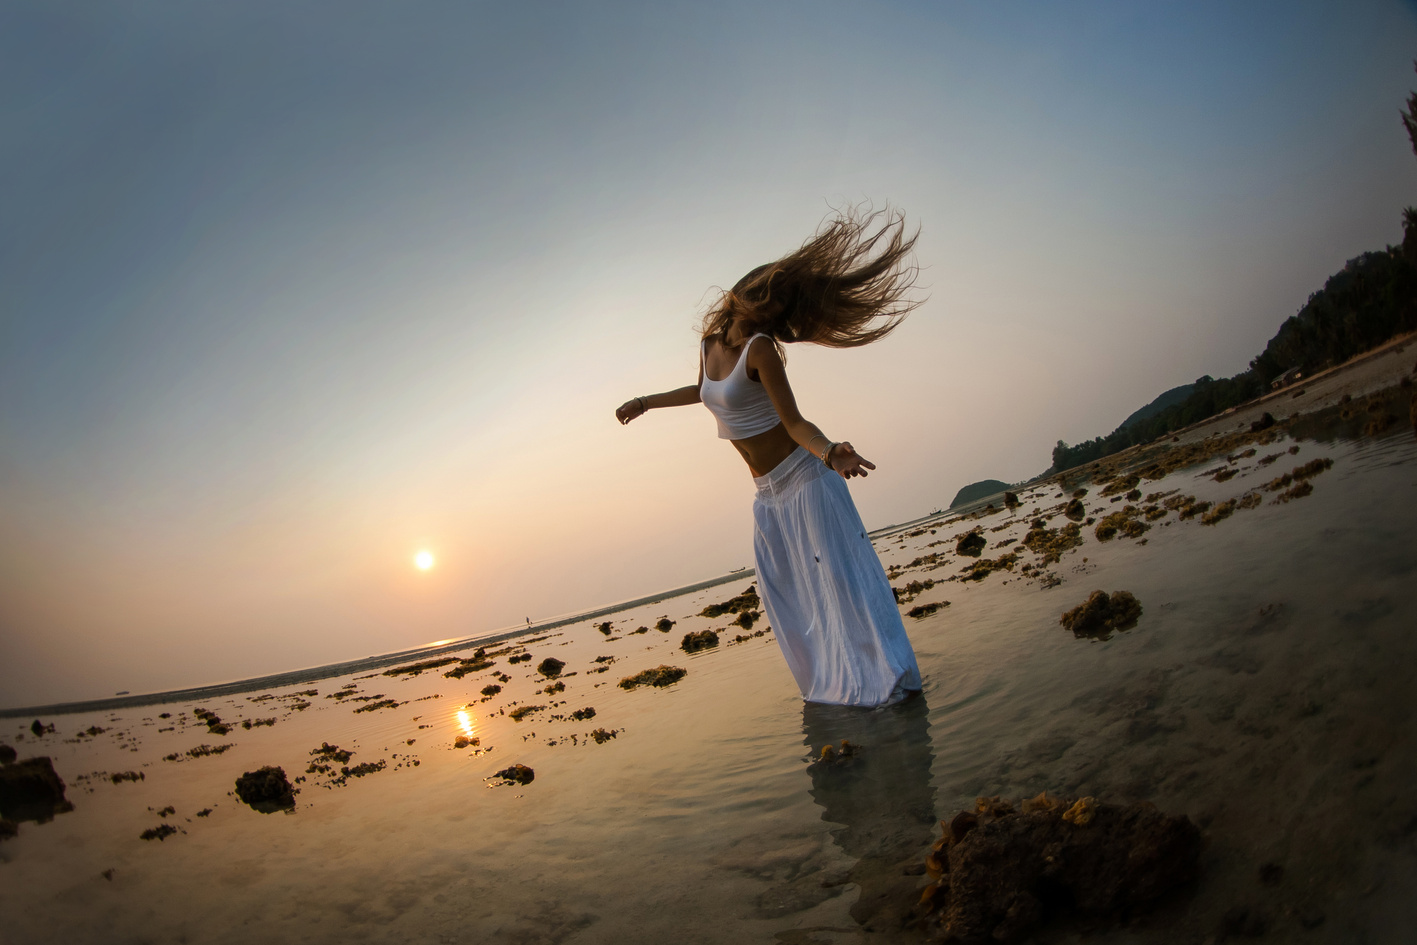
x: 826, y: 596
x: 882, y: 797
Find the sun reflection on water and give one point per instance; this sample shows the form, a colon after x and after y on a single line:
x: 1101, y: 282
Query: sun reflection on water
x: 465, y: 721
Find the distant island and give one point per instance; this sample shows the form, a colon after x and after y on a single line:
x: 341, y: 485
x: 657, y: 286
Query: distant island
x: 1369, y: 301
x: 979, y: 490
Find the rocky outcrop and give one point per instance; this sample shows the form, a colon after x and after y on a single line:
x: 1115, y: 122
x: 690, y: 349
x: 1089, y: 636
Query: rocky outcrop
x: 1001, y: 872
x: 32, y: 790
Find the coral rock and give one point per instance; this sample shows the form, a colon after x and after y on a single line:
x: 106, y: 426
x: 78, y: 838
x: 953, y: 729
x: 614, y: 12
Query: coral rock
x: 266, y: 790
x: 32, y: 790
x: 972, y: 544
x: 996, y: 867
x: 700, y: 640
x: 659, y: 676
x: 1263, y: 423
x: 1100, y: 614
x: 519, y: 774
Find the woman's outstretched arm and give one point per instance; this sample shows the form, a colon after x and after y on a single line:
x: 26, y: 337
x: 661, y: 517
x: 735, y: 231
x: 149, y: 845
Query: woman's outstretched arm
x: 844, y: 459
x: 638, y: 406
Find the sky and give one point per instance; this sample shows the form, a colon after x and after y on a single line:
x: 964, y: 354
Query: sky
x: 290, y: 292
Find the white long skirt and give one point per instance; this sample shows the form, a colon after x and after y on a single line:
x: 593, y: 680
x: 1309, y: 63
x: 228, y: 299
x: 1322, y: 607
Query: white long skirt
x: 824, y: 590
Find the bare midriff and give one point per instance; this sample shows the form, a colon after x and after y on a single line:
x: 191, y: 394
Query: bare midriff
x: 764, y: 451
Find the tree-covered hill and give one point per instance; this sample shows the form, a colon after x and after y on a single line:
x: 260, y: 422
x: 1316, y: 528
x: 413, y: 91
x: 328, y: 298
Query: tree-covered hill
x: 978, y: 490
x: 1373, y: 298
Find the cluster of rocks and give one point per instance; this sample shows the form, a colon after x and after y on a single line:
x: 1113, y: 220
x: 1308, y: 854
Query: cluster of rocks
x: 1001, y: 871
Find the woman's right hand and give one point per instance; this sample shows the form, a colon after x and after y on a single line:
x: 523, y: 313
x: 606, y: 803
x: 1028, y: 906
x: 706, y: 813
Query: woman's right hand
x: 846, y: 462
x: 629, y: 410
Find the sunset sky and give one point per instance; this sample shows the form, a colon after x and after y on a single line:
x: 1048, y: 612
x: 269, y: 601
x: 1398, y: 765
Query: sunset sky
x: 291, y: 292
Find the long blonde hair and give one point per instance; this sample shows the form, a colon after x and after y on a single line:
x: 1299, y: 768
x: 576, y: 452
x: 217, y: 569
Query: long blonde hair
x: 844, y: 288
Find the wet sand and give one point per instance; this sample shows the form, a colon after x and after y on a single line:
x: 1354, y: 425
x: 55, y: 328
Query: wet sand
x: 1263, y: 692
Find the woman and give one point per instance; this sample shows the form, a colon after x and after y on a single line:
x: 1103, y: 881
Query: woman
x: 827, y: 598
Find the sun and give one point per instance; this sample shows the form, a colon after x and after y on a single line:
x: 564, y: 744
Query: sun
x: 423, y: 560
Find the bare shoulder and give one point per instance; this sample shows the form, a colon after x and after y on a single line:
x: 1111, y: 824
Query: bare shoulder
x: 763, y: 353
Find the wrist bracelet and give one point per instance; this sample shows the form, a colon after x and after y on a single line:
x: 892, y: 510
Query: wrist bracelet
x: 644, y: 404
x: 809, y: 442
x: 827, y: 454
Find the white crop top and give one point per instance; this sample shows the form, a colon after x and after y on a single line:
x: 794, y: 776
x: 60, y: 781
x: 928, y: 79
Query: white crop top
x: 740, y: 404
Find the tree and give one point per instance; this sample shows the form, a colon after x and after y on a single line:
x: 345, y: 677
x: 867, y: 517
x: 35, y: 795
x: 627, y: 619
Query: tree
x: 1409, y: 215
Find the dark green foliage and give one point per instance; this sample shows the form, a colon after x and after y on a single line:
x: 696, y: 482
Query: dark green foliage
x: 1366, y: 303
x: 1170, y: 398
x: 1207, y: 399
x: 1409, y: 117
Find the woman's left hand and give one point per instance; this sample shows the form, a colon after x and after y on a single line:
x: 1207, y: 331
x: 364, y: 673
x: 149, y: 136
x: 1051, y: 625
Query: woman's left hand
x: 630, y: 409
x: 847, y: 462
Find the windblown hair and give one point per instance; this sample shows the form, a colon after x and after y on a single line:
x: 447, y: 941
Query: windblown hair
x: 844, y: 288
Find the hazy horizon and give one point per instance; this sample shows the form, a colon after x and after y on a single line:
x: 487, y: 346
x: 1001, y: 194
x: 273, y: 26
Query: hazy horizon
x: 289, y: 295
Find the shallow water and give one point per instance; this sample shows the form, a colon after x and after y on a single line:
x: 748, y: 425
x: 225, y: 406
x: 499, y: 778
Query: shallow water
x: 1264, y: 692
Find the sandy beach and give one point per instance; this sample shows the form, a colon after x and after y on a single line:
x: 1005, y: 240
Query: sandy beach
x: 1263, y: 693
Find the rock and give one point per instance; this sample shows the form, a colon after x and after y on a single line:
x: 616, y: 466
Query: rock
x: 31, y: 790
x: 7, y: 755
x: 664, y: 624
x: 996, y: 866
x: 659, y: 676
x: 160, y: 832
x: 1124, y: 521
x: 1100, y: 614
x: 1011, y: 499
x: 40, y: 729
x: 478, y: 662
x: 700, y: 640
x: 1051, y: 543
x: 604, y: 627
x: 266, y: 790
x: 1075, y: 510
x: 9, y: 829
x: 550, y: 667
x: 972, y: 544
x: 328, y: 752
x: 520, y: 774
x: 1263, y: 423
x: 748, y: 600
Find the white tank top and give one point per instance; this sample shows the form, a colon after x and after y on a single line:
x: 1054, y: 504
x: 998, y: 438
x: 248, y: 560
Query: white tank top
x: 740, y: 404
